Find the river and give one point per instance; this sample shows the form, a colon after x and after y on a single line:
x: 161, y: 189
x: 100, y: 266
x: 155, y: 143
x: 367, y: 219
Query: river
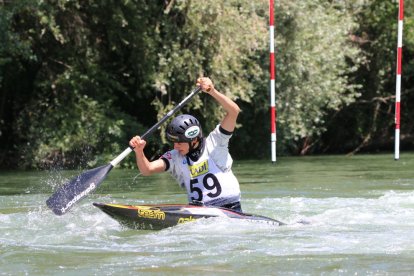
x: 345, y: 215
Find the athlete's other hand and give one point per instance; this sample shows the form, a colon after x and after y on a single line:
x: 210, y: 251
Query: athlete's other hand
x: 206, y: 84
x: 137, y: 143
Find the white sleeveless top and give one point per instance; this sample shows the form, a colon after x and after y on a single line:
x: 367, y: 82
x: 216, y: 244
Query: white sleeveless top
x: 209, y: 179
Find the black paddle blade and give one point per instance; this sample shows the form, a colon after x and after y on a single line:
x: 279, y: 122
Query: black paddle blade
x: 76, y: 189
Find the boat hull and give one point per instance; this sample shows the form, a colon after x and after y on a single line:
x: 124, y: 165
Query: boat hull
x: 156, y: 217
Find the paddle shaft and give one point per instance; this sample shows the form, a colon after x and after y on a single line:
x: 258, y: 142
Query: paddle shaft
x: 128, y: 150
x: 79, y: 187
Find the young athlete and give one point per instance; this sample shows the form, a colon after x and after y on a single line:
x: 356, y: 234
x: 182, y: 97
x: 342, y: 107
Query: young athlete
x: 200, y: 164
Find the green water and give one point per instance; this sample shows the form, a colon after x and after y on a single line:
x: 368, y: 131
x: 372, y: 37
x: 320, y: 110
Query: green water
x: 345, y: 215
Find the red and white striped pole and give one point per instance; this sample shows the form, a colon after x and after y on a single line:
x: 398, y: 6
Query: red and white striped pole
x: 398, y: 81
x: 272, y: 82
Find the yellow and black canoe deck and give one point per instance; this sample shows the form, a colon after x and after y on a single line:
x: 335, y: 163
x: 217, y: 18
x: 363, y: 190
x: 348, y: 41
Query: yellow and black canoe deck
x: 156, y: 217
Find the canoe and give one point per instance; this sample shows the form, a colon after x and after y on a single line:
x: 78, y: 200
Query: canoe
x: 156, y: 217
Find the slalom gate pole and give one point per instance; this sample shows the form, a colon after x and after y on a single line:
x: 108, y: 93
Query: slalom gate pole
x: 398, y: 80
x: 272, y: 82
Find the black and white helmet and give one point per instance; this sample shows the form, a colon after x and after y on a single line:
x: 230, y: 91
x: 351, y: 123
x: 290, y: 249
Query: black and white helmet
x: 184, y: 128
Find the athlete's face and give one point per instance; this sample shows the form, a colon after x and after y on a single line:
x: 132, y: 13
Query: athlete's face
x: 182, y: 148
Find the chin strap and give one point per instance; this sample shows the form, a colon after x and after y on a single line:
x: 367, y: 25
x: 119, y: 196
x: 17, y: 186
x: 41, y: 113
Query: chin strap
x: 195, y: 153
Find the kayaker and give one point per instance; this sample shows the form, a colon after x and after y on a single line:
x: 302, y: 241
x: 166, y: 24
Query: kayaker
x: 200, y: 164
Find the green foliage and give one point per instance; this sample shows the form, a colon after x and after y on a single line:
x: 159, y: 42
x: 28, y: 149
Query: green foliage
x: 71, y: 111
x: 79, y: 78
x: 75, y: 131
x: 369, y: 122
x: 219, y: 40
x: 315, y: 57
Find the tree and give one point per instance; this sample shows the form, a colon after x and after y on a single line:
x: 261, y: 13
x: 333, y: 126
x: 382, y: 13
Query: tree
x: 65, y: 98
x: 368, y: 123
x: 79, y: 78
x: 314, y: 57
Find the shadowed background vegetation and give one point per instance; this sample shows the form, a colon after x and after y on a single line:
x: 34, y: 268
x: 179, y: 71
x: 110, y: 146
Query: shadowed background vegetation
x: 78, y: 78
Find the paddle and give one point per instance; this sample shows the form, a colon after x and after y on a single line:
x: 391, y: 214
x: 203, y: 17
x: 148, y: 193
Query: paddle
x: 79, y: 187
